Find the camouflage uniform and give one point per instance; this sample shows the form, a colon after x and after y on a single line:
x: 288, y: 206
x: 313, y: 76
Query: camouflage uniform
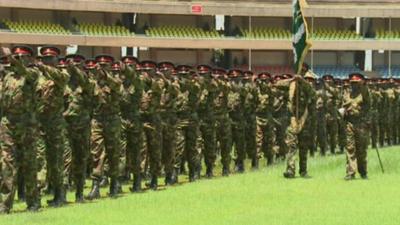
x: 375, y: 97
x: 224, y: 130
x: 18, y: 135
x: 51, y: 87
x: 281, y: 118
x: 331, y: 115
x: 250, y: 106
x: 78, y: 100
x: 188, y: 125
x: 106, y: 127
x: 391, y: 119
x: 383, y: 115
x: 356, y: 106
x: 265, y: 121
x: 321, y: 120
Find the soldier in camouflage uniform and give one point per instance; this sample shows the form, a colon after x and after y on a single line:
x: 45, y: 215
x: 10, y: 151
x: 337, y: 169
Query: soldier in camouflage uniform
x: 131, y: 94
x: 106, y: 126
x: 188, y: 121
x: 264, y: 116
x: 341, y: 123
x: 224, y: 130
x: 375, y: 97
x: 78, y: 100
x: 383, y: 112
x: 236, y: 101
x: 19, y: 128
x: 150, y: 115
x: 331, y: 112
x: 169, y: 118
x: 300, y: 92
x: 392, y: 112
x: 207, y: 117
x: 321, y: 118
x: 356, y: 106
x: 250, y: 106
x: 51, y: 89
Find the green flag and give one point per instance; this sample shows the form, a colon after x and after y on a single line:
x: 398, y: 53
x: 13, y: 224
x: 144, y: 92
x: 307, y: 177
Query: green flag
x: 300, y: 35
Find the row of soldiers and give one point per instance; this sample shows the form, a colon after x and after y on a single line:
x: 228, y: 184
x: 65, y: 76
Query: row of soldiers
x: 107, y: 119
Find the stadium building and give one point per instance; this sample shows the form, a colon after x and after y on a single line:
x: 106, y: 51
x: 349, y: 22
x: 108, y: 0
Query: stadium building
x: 347, y: 35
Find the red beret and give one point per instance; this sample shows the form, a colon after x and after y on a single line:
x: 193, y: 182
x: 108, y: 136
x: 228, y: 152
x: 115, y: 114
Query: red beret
x: 22, y: 50
x: 147, y: 64
x: 49, y: 51
x: 102, y: 59
x: 90, y: 64
x: 356, y: 77
x: 166, y: 65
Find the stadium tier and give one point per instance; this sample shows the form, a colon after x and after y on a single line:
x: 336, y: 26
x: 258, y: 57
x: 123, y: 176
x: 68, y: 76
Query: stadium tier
x: 266, y: 33
x: 384, y: 71
x: 333, y: 34
x: 95, y: 29
x: 336, y: 71
x: 36, y: 27
x: 382, y: 34
x: 181, y: 32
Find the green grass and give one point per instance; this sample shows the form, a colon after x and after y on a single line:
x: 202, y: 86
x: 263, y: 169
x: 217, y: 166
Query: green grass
x: 260, y: 197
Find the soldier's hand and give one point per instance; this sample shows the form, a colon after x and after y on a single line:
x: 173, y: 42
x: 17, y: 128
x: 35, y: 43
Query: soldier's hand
x: 5, y: 51
x: 298, y: 77
x: 342, y: 111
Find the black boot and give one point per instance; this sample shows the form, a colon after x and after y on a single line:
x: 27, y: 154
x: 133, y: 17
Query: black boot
x: 209, y: 172
x: 168, y: 179
x: 225, y: 171
x: 349, y: 177
x: 240, y: 166
x: 95, y: 192
x: 154, y: 183
x: 4, y: 209
x: 114, y: 188
x: 21, y: 189
x: 192, y: 175
x: 79, y: 193
x: 35, y: 206
x: 119, y: 184
x: 254, y: 163
x: 58, y: 199
x: 137, y: 184
x: 175, y: 176
x: 288, y: 175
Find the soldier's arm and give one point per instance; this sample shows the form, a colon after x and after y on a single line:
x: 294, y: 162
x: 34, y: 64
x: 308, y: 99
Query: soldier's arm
x: 59, y: 77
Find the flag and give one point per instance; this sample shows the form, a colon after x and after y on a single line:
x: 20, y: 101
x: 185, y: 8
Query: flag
x: 300, y: 35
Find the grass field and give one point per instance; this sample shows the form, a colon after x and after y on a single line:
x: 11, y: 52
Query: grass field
x: 259, y: 197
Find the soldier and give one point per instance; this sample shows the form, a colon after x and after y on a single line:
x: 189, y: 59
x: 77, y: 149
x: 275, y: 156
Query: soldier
x: 307, y: 136
x: 383, y: 112
x: 19, y: 128
x: 300, y: 92
x: 392, y: 112
x: 150, y: 115
x: 169, y: 118
x: 250, y: 106
x: 375, y: 97
x: 341, y: 123
x: 236, y: 101
x: 356, y: 106
x: 132, y: 91
x: 223, y: 122
x: 321, y: 118
x: 264, y: 116
x: 207, y: 117
x: 188, y: 121
x: 331, y: 112
x: 78, y: 100
x: 51, y: 89
x: 106, y: 126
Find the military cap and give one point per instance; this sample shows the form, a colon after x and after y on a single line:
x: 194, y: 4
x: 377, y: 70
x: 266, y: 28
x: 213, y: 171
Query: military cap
x: 22, y: 51
x: 76, y: 58
x: 356, y: 77
x: 278, y: 77
x: 62, y: 63
x: 287, y: 76
x: 202, y: 69
x: 264, y: 76
x: 338, y: 81
x: 115, y: 66
x: 50, y: 51
x: 90, y: 63
x: 183, y: 69
x: 328, y: 77
x: 148, y: 65
x: 235, y: 73
x: 166, y: 66
x: 218, y: 71
x: 129, y: 60
x: 104, y: 59
x: 309, y: 76
x: 247, y: 75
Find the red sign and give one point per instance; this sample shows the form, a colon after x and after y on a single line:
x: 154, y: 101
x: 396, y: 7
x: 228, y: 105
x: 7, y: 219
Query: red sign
x: 197, y: 9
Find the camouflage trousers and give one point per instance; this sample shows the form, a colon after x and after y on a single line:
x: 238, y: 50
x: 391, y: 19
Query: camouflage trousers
x: 306, y: 144
x: 332, y: 131
x: 208, y: 138
x: 238, y: 137
x: 265, y: 137
x: 356, y: 148
x: 168, y: 142
x: 383, y: 129
x: 374, y: 129
x: 54, y: 140
x: 342, y: 134
x: 132, y: 145
x: 17, y: 144
x: 250, y: 131
x: 224, y: 138
x: 77, y: 157
x: 321, y: 132
x: 153, y: 142
x: 186, y: 141
x: 281, y: 126
x: 292, y: 141
x: 105, y: 145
